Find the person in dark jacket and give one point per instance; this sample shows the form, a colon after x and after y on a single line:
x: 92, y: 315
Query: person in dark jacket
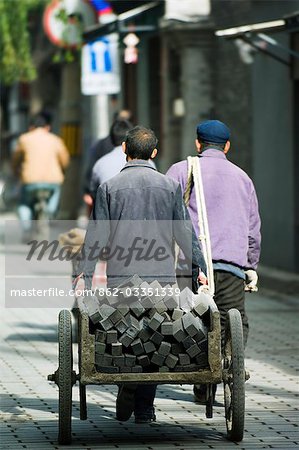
x: 139, y: 204
x: 101, y: 148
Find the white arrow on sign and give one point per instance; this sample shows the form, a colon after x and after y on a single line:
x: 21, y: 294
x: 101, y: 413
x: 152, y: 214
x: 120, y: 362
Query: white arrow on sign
x: 100, y: 67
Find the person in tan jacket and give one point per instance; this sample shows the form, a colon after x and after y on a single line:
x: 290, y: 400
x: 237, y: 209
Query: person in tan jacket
x: 39, y: 161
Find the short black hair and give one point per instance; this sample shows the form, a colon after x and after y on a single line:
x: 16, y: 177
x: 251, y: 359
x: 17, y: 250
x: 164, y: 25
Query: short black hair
x: 42, y: 119
x: 140, y: 143
x: 119, y: 130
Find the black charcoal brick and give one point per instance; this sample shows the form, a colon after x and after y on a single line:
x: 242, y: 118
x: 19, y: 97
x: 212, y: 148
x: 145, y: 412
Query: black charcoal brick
x: 193, y: 351
x: 100, y: 336
x: 121, y: 326
x: 203, y: 345
x: 157, y: 338
x: 147, y: 302
x: 103, y: 360
x: 145, y: 334
x: 149, y: 347
x: 116, y: 316
x: 201, y: 329
x: 116, y: 349
x: 158, y: 359
x: 155, y: 321
x: 106, y: 324
x: 171, y: 361
x: 107, y: 311
x: 137, y: 309
x: 190, y: 324
x: 137, y: 369
x: 133, y: 322
x: 163, y: 369
x: 100, y: 348
x: 171, y: 301
x: 126, y: 339
x: 119, y: 361
x: 177, y: 314
x: 111, y: 337
x: 137, y: 347
x: 178, y: 330
x: 184, y: 359
x: 107, y: 369
x: 188, y: 342
x: 167, y: 328
x: 164, y: 348
x: 201, y: 304
x: 93, y: 309
x: 123, y: 308
x: 143, y: 360
x: 130, y: 360
x: 175, y: 349
x: 161, y: 307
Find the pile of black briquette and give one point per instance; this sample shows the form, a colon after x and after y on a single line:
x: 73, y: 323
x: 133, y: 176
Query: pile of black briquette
x: 161, y: 331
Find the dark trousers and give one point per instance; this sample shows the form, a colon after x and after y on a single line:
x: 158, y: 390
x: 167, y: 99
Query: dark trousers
x: 229, y: 293
x: 144, y: 399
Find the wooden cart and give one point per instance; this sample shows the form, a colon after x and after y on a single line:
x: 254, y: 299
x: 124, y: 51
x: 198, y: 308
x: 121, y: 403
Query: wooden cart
x: 228, y: 368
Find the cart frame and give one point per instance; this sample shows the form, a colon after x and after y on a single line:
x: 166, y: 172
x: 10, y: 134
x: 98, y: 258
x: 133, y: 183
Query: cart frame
x: 231, y: 370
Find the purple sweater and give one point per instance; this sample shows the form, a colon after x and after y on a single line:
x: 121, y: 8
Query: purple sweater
x: 232, y: 208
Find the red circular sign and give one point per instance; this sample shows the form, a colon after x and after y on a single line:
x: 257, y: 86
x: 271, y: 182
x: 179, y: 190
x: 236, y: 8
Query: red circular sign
x: 64, y: 24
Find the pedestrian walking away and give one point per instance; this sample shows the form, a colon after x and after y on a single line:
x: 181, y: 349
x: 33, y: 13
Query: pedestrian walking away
x: 233, y: 218
x: 138, y: 196
x: 99, y: 149
x: 110, y: 164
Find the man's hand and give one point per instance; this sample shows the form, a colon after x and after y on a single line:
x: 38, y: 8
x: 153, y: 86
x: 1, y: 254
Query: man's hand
x: 88, y: 199
x: 202, y: 279
x: 251, y: 281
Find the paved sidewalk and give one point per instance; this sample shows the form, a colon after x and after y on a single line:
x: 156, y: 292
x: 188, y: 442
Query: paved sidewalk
x: 29, y: 402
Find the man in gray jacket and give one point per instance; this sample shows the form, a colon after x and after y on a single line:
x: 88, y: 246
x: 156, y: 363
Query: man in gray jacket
x: 137, y: 203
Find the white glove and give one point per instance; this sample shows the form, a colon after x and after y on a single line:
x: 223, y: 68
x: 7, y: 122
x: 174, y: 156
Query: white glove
x: 251, y: 281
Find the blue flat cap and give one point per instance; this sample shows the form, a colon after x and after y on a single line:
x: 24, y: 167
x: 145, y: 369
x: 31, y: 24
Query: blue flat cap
x: 213, y: 131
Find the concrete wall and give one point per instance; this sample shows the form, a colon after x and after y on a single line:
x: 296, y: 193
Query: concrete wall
x: 273, y: 150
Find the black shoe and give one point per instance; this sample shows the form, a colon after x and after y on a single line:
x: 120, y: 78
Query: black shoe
x: 200, y: 393
x: 125, y: 402
x: 145, y: 418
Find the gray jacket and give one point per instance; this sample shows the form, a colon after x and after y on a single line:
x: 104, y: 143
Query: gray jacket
x: 143, y: 210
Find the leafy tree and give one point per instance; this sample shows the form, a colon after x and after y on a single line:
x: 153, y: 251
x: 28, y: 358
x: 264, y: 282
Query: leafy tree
x: 15, y: 54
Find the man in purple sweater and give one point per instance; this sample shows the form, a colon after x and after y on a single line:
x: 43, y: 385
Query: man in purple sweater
x: 234, y: 222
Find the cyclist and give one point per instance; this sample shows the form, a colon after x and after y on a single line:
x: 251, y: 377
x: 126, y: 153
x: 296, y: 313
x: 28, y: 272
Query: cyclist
x: 39, y: 160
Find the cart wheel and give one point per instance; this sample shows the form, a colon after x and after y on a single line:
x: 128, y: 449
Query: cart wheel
x: 65, y: 371
x: 234, y: 376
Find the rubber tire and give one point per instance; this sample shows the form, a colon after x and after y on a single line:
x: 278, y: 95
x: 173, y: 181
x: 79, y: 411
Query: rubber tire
x: 234, y: 390
x: 65, y: 366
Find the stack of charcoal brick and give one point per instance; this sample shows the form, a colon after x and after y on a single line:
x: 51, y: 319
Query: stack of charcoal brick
x: 149, y: 333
